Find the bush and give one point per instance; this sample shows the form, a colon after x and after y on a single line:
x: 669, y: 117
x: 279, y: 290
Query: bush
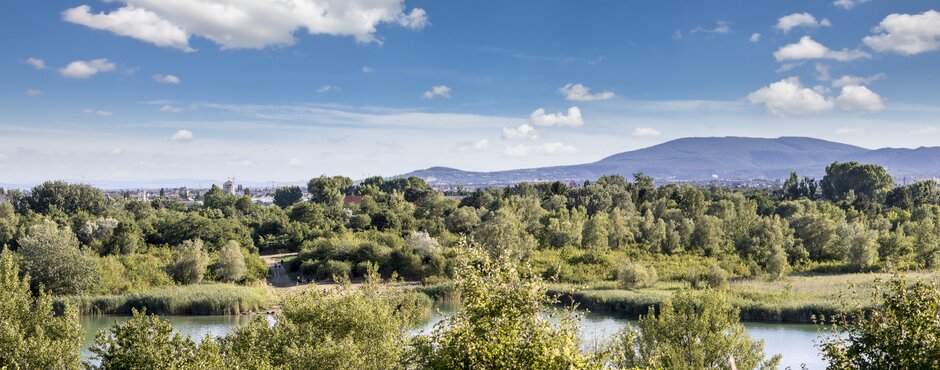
x: 231, y: 264
x: 52, y: 258
x: 716, y: 277
x: 634, y: 275
x: 334, y: 270
x: 190, y: 262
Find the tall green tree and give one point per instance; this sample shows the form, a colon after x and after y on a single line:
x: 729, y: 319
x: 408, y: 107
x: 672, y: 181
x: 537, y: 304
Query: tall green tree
x: 190, y: 262
x: 286, y: 196
x: 32, y: 336
x: 231, y: 264
x: 869, y: 183
x: 52, y: 258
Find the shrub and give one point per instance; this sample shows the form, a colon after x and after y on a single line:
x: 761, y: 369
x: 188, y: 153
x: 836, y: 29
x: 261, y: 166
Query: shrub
x: 231, y: 264
x: 716, y: 277
x: 634, y: 275
x: 52, y: 258
x: 333, y: 270
x: 146, y: 342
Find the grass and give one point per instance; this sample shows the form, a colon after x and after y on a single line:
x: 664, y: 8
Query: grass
x: 197, y: 299
x: 795, y: 299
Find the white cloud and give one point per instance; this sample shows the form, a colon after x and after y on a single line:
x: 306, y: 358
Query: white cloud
x: 81, y: 69
x: 33, y: 92
x: 856, y: 80
x: 255, y: 24
x: 328, y: 88
x: 36, y: 63
x: 848, y: 4
x: 573, y: 118
x: 823, y: 72
x: 579, y: 92
x: 859, y: 98
x: 788, y: 96
x: 523, y: 132
x: 440, y: 90
x: 645, y: 132
x: 102, y: 113
x: 474, y: 146
x: 170, y: 109
x: 167, y: 79
x: 367, y: 69
x: 721, y: 27
x: 807, y: 48
x: 182, y: 136
x: 521, y: 150
x: 755, y: 37
x: 850, y: 131
x: 296, y: 162
x: 789, y: 22
x: 907, y: 34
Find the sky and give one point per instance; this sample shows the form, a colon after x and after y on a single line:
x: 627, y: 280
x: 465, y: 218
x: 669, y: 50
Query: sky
x: 285, y: 90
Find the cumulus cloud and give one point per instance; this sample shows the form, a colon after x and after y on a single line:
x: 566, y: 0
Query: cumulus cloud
x: 33, y: 92
x: 848, y: 80
x: 102, y: 113
x: 790, y: 97
x: 579, y: 92
x: 234, y: 24
x: 807, y: 48
x: 722, y: 27
x: 474, y: 146
x: 859, y: 98
x: 81, y: 69
x: 296, y: 162
x: 170, y: 109
x: 523, y: 132
x: 645, y: 132
x: 36, y: 63
x: 167, y: 79
x: 907, y: 34
x: 521, y: 150
x: 440, y: 90
x: 328, y: 88
x: 848, y: 4
x: 789, y: 22
x: 573, y: 118
x: 182, y: 136
x: 755, y: 37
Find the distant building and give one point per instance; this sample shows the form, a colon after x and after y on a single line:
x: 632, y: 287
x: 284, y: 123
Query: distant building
x: 229, y: 186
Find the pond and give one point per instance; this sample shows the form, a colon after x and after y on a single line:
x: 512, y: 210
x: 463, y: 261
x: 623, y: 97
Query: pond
x: 794, y: 341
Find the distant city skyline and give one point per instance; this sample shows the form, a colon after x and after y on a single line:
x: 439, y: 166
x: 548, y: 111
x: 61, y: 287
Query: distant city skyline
x: 137, y: 90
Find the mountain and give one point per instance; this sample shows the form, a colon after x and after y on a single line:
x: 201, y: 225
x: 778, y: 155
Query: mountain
x: 706, y: 158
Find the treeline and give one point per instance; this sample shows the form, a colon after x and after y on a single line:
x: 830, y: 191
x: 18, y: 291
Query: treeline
x: 853, y: 219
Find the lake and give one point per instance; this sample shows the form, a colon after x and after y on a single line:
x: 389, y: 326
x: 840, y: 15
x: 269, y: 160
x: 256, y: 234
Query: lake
x: 794, y: 341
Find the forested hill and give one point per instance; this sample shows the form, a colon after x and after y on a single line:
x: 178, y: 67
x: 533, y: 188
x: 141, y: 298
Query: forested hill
x: 703, y: 158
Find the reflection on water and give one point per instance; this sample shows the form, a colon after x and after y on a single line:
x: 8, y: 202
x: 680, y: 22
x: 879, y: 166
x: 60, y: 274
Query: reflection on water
x: 794, y: 341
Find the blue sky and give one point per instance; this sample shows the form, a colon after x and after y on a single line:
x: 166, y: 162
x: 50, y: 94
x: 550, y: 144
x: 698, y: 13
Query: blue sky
x: 156, y: 89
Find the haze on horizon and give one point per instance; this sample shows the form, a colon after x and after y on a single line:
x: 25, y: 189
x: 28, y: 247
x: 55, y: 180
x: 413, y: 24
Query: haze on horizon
x: 144, y: 90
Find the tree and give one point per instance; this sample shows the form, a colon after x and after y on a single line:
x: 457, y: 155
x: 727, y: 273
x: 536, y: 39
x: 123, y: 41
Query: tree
x: 634, y: 275
x: 190, y: 261
x: 869, y: 182
x: 860, y: 245
x: 595, y: 236
x: 286, y: 196
x: 32, y: 335
x: 329, y: 191
x: 231, y: 264
x: 501, y: 323
x: 901, y: 333
x: 52, y: 258
x: 65, y: 197
x: 147, y: 342
x: 9, y: 223
x: 692, y: 331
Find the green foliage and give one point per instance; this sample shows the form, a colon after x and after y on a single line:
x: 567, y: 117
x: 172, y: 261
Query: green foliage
x: 691, y: 331
x: 867, y: 183
x: 634, y: 275
x: 231, y: 264
x: 59, y: 196
x: 900, y: 334
x: 196, y: 299
x: 190, y: 262
x: 31, y: 335
x: 52, y: 258
x: 147, y: 342
x: 860, y: 245
x: 500, y: 325
x: 286, y: 196
x: 329, y: 191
